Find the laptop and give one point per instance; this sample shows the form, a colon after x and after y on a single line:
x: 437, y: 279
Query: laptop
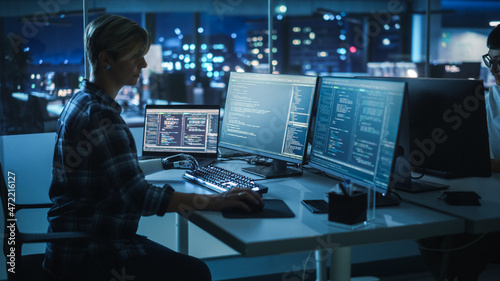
x: 189, y: 129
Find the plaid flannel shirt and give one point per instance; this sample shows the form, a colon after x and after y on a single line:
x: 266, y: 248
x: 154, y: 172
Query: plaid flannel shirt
x: 97, y: 184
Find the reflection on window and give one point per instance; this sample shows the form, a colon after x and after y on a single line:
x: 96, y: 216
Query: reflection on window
x: 189, y: 62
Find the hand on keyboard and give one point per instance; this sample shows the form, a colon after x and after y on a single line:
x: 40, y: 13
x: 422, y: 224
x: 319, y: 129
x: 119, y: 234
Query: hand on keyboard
x: 179, y: 161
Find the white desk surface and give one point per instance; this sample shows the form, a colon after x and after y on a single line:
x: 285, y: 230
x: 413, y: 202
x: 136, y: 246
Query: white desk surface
x: 308, y: 231
x: 478, y: 219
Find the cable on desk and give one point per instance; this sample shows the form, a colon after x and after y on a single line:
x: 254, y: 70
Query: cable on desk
x: 395, y: 194
x: 422, y: 174
x: 305, y: 265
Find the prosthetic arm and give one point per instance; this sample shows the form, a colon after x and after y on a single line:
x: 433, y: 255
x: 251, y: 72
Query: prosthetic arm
x: 178, y: 161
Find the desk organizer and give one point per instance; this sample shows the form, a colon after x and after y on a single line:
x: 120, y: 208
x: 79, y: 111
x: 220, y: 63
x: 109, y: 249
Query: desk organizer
x: 347, y: 209
x: 354, y: 210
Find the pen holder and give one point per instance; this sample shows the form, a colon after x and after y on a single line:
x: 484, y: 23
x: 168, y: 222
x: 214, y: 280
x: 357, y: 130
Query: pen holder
x: 346, y: 209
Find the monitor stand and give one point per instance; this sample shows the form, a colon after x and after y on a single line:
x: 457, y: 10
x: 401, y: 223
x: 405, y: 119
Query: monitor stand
x: 403, y: 181
x: 278, y: 169
x: 386, y: 200
x: 419, y: 186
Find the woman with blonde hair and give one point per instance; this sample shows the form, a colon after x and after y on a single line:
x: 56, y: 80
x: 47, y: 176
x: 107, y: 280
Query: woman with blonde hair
x: 98, y: 185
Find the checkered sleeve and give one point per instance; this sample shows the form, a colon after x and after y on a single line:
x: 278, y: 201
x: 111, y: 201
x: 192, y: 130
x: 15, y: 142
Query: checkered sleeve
x: 119, y: 162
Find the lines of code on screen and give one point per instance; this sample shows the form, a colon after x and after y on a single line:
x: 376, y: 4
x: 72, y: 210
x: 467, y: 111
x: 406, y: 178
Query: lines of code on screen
x: 181, y: 131
x: 356, y: 128
x: 268, y: 113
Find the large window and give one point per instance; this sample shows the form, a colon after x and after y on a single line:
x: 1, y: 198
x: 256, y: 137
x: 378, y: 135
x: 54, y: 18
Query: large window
x: 42, y: 64
x: 197, y: 43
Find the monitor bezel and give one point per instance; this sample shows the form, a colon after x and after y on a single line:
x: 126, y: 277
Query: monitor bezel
x: 341, y: 176
x: 302, y: 160
x: 482, y: 169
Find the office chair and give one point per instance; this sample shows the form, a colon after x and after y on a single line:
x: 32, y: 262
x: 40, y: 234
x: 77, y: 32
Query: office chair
x: 27, y: 267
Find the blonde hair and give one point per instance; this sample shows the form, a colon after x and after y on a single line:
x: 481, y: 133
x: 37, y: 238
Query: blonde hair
x: 121, y: 37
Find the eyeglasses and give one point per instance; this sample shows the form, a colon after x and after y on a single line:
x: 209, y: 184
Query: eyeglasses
x: 488, y: 61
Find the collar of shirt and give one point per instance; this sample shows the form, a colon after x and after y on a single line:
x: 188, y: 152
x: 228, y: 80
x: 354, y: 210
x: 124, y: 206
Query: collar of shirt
x: 89, y: 87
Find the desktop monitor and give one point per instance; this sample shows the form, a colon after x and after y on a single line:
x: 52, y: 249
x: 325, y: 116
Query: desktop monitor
x: 168, y: 86
x: 268, y: 115
x: 356, y: 130
x: 467, y: 70
x: 448, y: 133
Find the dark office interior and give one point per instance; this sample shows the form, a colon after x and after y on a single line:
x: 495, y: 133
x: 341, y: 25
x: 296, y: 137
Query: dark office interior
x: 196, y: 45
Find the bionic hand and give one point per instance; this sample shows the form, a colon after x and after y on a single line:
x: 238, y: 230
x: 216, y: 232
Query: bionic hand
x: 179, y: 161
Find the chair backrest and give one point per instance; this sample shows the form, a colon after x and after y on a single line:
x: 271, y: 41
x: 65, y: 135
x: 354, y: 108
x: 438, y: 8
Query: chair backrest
x: 35, y: 113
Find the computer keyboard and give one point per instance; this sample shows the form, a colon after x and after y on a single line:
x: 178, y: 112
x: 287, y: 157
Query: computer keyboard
x: 220, y: 180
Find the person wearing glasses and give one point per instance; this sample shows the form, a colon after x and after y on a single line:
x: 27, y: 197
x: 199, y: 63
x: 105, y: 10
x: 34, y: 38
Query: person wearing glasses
x: 98, y: 185
x: 492, y: 98
x: 464, y: 257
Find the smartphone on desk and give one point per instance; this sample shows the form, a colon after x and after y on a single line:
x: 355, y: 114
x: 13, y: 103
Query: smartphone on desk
x: 316, y: 206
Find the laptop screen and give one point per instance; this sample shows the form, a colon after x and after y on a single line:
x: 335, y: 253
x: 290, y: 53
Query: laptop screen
x: 174, y: 129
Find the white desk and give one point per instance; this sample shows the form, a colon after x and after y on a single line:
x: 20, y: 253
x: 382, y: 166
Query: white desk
x: 478, y: 219
x: 307, y: 231
x: 250, y: 237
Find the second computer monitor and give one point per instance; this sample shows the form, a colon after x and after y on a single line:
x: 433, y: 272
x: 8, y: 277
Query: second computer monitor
x: 268, y: 115
x: 448, y: 134
x: 356, y: 130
